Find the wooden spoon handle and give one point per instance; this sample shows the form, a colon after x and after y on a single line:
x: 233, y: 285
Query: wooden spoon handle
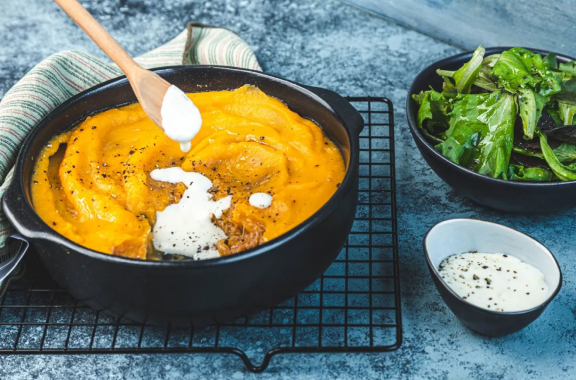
x: 99, y: 35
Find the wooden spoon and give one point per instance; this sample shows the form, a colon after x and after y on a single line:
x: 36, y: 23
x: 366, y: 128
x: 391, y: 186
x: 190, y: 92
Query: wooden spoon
x: 148, y: 87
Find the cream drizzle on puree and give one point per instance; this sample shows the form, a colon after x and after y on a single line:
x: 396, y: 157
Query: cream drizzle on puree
x: 185, y: 228
x: 260, y: 200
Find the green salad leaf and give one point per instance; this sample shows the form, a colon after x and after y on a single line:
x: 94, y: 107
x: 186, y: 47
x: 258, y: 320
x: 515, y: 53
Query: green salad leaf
x: 545, y: 81
x: 519, y: 67
x: 499, y: 114
x: 467, y: 74
x: 566, y: 112
x: 433, y: 118
x: 531, y: 106
x: 489, y: 62
x: 569, y: 68
x: 551, y: 60
x: 564, y: 172
x: 566, y: 152
x: 452, y: 149
x: 461, y: 145
x: 433, y: 112
x: 511, y: 72
x: 553, y: 112
x: 527, y: 152
x: 465, y: 112
x: 520, y: 173
x: 565, y: 133
x: 568, y: 92
x: 448, y: 88
x: 483, y: 80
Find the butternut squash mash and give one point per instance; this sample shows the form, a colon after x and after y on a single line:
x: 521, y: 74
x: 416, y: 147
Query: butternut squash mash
x: 93, y: 186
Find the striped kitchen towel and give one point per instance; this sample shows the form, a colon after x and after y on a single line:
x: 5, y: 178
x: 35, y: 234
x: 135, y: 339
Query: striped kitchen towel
x: 65, y: 74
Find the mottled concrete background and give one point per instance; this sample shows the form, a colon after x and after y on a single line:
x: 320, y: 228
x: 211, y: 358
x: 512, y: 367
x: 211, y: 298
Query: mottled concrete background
x: 328, y: 44
x: 545, y: 24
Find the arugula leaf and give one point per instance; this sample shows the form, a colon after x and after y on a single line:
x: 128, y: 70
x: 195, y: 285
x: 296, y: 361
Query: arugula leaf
x: 551, y: 60
x: 483, y: 80
x: 565, y: 173
x: 566, y: 112
x: 419, y: 98
x: 569, y: 67
x: 528, y: 113
x: 467, y: 74
x: 490, y: 61
x: 566, y: 152
x: 527, y: 152
x: 520, y: 173
x: 448, y: 89
x: 498, y: 112
x: 445, y: 73
x: 531, y: 106
x: 433, y: 111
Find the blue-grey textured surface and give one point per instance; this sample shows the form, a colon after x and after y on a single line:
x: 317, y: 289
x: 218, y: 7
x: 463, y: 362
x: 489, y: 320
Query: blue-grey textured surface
x: 327, y: 44
x: 544, y: 24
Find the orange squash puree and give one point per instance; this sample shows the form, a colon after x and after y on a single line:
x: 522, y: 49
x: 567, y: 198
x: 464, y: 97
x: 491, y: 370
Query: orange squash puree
x: 98, y: 191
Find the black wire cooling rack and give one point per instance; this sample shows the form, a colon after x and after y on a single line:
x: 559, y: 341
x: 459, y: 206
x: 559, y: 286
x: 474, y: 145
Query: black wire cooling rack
x: 353, y: 307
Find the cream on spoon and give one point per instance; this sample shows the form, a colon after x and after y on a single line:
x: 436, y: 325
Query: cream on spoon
x: 165, y: 104
x: 181, y: 119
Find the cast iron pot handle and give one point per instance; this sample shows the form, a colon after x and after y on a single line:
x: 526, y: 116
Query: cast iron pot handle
x: 28, y: 225
x: 342, y: 107
x: 8, y: 267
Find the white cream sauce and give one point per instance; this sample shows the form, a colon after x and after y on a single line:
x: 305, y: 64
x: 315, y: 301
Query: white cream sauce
x: 260, y: 200
x: 185, y: 228
x: 181, y: 119
x: 494, y: 281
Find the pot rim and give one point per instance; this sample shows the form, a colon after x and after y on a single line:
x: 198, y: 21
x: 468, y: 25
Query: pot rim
x: 47, y: 233
x: 436, y: 274
x: 422, y: 142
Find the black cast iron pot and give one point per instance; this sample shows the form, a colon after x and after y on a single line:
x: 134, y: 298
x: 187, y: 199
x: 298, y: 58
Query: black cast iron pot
x: 198, y: 292
x: 512, y: 196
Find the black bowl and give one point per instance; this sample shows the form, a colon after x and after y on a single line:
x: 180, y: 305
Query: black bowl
x: 466, y: 235
x: 198, y: 292
x: 512, y: 196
